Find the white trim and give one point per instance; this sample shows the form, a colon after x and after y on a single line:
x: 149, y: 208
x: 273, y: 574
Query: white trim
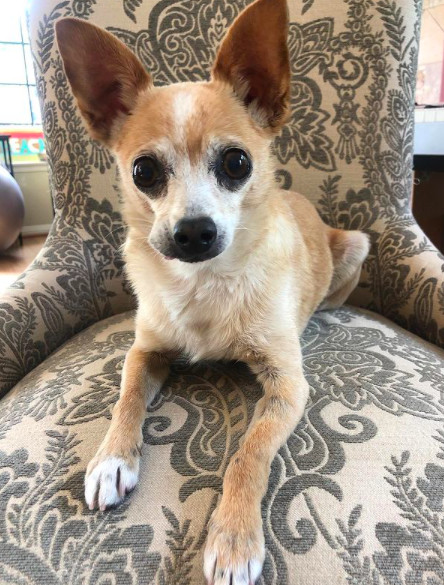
x: 429, y: 115
x: 36, y: 230
x: 419, y: 115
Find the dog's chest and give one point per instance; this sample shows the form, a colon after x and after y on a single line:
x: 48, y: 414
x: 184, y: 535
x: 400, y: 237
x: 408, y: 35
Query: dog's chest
x: 207, y: 316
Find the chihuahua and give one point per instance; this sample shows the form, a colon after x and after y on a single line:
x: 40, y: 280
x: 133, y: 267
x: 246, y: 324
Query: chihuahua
x: 225, y: 265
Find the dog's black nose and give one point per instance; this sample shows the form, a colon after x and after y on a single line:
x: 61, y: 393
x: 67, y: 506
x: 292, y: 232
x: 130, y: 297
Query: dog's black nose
x: 195, y: 236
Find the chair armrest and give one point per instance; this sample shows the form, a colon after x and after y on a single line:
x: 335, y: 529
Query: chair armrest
x: 70, y: 285
x: 408, y: 280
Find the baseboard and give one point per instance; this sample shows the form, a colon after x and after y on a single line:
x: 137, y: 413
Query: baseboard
x: 26, y: 167
x: 36, y: 230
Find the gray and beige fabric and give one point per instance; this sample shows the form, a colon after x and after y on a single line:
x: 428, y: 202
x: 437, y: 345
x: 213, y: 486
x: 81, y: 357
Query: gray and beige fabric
x: 356, y: 495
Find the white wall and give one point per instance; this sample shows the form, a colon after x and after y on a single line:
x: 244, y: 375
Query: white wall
x: 34, y: 183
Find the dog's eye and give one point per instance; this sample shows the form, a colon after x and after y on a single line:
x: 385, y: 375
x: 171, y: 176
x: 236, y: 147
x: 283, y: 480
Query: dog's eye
x: 235, y: 164
x: 147, y: 172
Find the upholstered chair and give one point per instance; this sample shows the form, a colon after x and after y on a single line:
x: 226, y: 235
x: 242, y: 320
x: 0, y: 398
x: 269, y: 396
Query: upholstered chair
x: 356, y: 495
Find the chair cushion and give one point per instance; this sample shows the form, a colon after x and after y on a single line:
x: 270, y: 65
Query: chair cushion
x: 355, y: 496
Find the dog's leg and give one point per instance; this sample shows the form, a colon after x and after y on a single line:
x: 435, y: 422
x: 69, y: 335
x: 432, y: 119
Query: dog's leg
x: 235, y: 546
x: 114, y: 470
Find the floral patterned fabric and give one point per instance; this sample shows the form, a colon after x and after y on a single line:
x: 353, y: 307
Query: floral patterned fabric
x: 356, y: 495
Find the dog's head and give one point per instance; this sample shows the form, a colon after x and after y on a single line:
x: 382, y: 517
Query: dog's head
x: 194, y: 157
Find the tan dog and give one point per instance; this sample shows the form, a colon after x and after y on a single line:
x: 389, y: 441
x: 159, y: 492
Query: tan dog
x: 225, y: 265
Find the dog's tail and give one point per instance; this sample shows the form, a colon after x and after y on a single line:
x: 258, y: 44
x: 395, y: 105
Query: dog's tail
x: 349, y: 250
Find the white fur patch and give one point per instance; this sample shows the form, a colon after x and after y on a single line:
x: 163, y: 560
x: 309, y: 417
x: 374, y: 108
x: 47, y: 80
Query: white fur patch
x: 219, y: 569
x: 183, y: 107
x: 101, y: 483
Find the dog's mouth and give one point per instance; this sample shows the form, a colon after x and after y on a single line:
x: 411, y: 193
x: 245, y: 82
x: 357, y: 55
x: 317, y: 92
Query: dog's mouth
x: 192, y: 259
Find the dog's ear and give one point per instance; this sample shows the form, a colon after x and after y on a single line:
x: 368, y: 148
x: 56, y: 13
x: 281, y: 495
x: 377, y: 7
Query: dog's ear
x: 253, y: 59
x: 105, y: 76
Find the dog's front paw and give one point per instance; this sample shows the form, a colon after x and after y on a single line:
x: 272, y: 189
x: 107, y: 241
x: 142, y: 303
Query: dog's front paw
x: 108, y: 479
x: 234, y: 556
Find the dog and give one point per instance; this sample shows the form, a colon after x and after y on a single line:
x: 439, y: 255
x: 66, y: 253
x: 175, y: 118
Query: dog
x: 225, y: 265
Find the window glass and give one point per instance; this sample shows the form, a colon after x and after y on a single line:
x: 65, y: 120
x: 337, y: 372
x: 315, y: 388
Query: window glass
x: 19, y: 105
x: 12, y: 68
x: 14, y: 105
x: 29, y: 64
x: 24, y: 25
x: 9, y: 23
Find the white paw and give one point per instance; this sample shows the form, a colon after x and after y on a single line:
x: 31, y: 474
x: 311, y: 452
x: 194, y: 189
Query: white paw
x: 231, y: 559
x: 108, y: 480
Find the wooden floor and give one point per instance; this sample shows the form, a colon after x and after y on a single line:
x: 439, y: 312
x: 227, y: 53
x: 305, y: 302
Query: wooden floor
x: 15, y: 260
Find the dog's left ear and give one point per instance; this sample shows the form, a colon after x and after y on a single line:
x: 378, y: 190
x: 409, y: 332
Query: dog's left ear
x: 253, y: 59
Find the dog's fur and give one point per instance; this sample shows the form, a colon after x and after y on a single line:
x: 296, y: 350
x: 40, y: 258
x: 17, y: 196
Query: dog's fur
x: 277, y: 261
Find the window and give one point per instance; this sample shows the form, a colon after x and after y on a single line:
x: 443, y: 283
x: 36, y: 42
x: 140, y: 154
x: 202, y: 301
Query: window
x: 18, y: 96
x: 430, y: 80
x: 20, y: 117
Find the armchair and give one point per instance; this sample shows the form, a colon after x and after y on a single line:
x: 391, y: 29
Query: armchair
x: 356, y: 495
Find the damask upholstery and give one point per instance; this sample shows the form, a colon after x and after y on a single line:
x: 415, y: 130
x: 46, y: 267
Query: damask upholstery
x: 356, y: 495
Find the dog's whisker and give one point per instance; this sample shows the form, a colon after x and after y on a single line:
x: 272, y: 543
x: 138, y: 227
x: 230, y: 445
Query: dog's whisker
x: 112, y: 232
x: 243, y: 227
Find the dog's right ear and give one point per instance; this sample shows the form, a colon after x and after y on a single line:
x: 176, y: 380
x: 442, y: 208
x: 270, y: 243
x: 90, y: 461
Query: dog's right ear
x: 105, y: 76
